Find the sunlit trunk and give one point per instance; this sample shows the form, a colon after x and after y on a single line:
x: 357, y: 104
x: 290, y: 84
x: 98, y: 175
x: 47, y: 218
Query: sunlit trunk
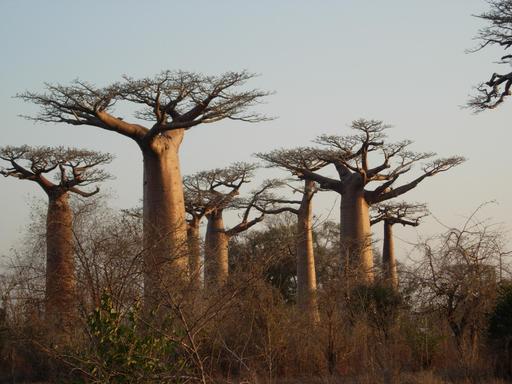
x: 165, y: 228
x: 194, y: 258
x: 356, y: 249
x: 306, y: 275
x: 216, y: 252
x: 60, y: 266
x: 388, y: 257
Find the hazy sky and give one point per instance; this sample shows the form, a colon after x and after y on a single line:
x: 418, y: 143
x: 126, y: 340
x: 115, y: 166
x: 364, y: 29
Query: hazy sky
x: 329, y: 62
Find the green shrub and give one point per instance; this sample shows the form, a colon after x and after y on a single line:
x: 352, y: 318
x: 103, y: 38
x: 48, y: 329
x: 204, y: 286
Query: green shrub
x: 120, y: 352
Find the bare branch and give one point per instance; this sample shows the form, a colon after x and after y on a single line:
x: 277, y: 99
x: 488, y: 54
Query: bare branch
x: 407, y: 214
x: 430, y: 169
x: 171, y: 100
x: 68, y: 167
x: 498, y: 32
x: 82, y: 104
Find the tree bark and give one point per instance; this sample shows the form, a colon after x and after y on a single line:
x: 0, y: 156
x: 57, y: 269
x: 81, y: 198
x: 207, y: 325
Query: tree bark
x: 388, y: 257
x: 216, y: 252
x: 355, y: 235
x: 194, y: 248
x: 306, y: 275
x: 164, y: 225
x: 60, y: 266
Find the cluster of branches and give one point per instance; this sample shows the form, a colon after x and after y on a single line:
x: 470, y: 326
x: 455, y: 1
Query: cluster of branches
x: 171, y: 100
x: 497, y: 32
x: 59, y: 168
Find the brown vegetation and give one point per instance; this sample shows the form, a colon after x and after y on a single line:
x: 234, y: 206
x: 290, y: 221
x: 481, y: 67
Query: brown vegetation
x: 295, y: 301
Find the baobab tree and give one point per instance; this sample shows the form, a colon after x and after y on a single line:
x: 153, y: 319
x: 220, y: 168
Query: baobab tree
x: 392, y: 213
x: 172, y: 102
x: 221, y: 189
x: 197, y: 206
x: 362, y: 185
x: 305, y: 258
x: 497, y: 32
x: 59, y: 172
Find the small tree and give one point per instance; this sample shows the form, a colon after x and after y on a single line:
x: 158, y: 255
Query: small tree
x: 271, y: 252
x: 118, y: 352
x: 390, y: 214
x: 458, y: 281
x: 108, y: 251
x: 71, y: 169
x: 173, y: 102
x: 500, y: 329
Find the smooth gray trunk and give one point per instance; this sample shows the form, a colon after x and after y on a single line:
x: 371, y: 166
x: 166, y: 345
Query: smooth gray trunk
x: 388, y: 257
x: 216, y: 252
x: 306, y: 275
x: 61, y: 306
x: 355, y: 236
x: 164, y: 225
x: 194, y: 261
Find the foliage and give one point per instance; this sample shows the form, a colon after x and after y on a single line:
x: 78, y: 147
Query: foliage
x: 500, y: 322
x: 378, y: 303
x: 121, y: 351
x: 276, y: 245
x: 424, y: 340
x: 500, y: 330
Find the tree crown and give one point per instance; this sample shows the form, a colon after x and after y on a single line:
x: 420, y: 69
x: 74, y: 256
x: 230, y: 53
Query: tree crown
x: 171, y: 100
x: 216, y: 189
x: 352, y: 156
x: 398, y: 213
x: 56, y: 168
x: 498, y: 31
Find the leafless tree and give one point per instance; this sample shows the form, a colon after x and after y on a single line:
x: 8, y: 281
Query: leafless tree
x: 403, y: 213
x: 305, y: 257
x: 458, y: 277
x: 497, y: 32
x: 173, y: 102
x: 58, y: 171
x: 351, y: 156
x: 108, y: 249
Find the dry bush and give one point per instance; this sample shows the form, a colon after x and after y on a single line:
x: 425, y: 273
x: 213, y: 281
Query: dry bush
x: 250, y: 330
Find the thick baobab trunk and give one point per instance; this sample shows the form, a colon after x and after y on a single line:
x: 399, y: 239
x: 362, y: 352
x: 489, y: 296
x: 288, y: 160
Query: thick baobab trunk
x: 194, y: 258
x: 388, y: 257
x: 165, y: 228
x: 306, y: 275
x: 356, y: 249
x: 216, y: 252
x: 60, y: 266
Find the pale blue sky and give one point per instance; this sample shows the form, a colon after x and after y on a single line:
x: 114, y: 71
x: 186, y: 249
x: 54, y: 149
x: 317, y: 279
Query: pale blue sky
x: 329, y: 62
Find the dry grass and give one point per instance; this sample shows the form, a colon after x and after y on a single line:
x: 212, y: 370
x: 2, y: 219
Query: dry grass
x: 425, y: 377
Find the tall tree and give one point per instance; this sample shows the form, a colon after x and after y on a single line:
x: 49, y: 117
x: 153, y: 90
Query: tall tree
x: 390, y: 214
x: 497, y: 32
x: 305, y: 258
x: 59, y: 172
x: 197, y: 206
x: 221, y: 187
x: 173, y: 102
x: 350, y: 155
